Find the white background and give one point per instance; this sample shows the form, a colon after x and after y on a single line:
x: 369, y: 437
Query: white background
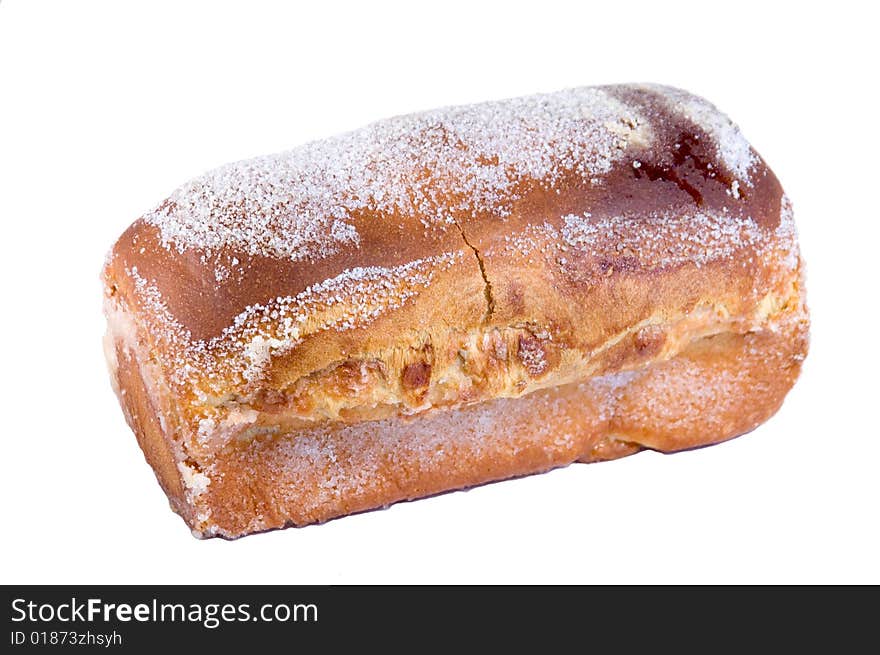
x: 105, y: 107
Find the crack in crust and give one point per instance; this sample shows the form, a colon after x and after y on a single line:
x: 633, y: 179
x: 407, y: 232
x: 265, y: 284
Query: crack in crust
x: 487, y: 291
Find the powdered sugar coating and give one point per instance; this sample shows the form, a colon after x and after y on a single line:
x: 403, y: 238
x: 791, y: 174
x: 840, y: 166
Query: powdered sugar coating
x: 659, y: 239
x: 733, y: 149
x: 354, y: 298
x: 786, y: 234
x: 608, y: 389
x: 304, y: 203
x: 331, y: 462
x: 533, y: 238
x: 655, y: 240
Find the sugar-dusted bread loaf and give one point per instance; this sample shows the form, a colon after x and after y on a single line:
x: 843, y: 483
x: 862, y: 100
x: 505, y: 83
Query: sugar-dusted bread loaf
x: 452, y: 297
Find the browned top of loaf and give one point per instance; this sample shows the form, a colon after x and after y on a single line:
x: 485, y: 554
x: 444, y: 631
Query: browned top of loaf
x: 517, y: 212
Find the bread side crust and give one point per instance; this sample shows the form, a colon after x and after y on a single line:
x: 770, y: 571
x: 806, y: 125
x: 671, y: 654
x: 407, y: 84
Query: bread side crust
x: 718, y: 386
x: 150, y: 408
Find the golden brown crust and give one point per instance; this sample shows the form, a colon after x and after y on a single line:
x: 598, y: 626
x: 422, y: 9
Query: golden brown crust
x: 429, y: 270
x: 718, y: 387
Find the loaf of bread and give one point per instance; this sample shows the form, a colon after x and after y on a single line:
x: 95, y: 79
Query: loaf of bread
x: 462, y: 295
